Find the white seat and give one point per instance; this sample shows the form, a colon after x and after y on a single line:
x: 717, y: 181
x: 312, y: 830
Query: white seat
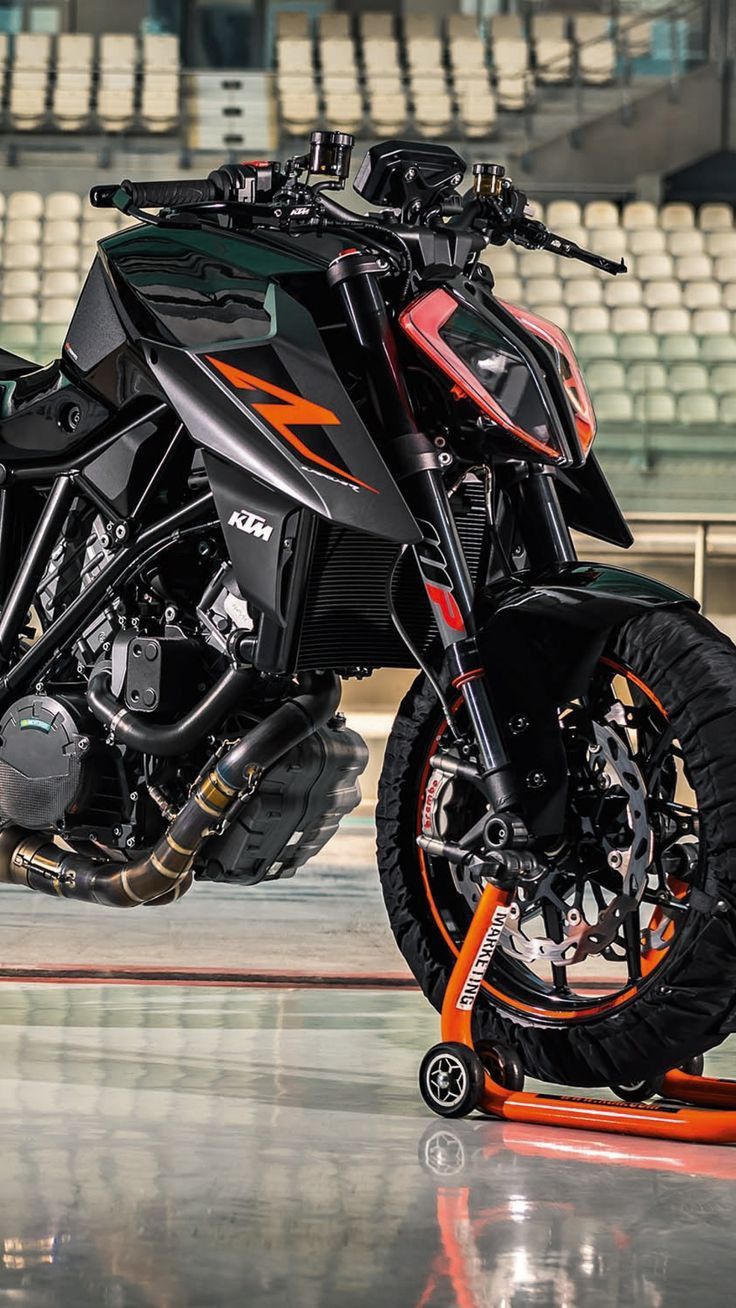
x: 676, y: 216
x: 32, y: 50
x: 344, y: 113
x: 655, y: 267
x: 424, y: 53
x: 683, y: 377
x: 605, y: 375
x: 697, y: 408
x: 663, y: 294
x: 600, y: 213
x: 376, y: 25
x: 571, y: 270
x: 536, y: 263
x: 433, y: 114
x: 477, y: 112
x: 678, y: 349
x: 381, y: 56
x: 670, y: 321
x: 715, y: 218
x: 728, y: 296
x: 646, y: 240
x: 19, y: 308
x: 647, y: 375
x: 622, y: 291
x: 19, y: 281
x: 337, y: 54
x: 299, y: 113
x: 59, y: 258
x: 701, y: 295
x: 467, y: 56
x: 654, y: 407
x: 722, y: 379
x: 629, y: 318
x: 389, y: 113
x: 294, y: 54
x: 695, y: 268
x: 118, y: 52
x: 559, y: 314
x: 57, y: 310
x: 596, y: 345
x: 331, y: 24
x: 160, y: 52
x: 683, y: 241
x: 554, y: 60
x: 724, y: 269
x: 63, y: 232
x: 578, y: 293
x: 637, y: 345
x: 639, y: 214
x: 711, y: 322
x: 718, y: 244
x: 635, y: 35
x: 543, y: 290
x: 510, y: 288
x: 21, y: 256
x: 562, y: 215
x: 60, y: 283
x: 589, y: 26
x: 610, y: 241
x: 22, y: 230
x: 614, y: 406
x: 513, y: 92
x: 74, y: 52
x: 503, y: 259
x: 590, y: 318
x: 727, y: 410
x: 597, y: 63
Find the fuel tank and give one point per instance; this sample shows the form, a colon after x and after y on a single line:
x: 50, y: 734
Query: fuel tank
x: 231, y: 330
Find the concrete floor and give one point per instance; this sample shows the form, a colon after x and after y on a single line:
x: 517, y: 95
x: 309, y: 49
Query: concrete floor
x: 168, y: 1147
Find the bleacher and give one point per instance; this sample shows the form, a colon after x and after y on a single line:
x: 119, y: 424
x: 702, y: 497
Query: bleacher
x: 75, y: 83
x: 384, y: 77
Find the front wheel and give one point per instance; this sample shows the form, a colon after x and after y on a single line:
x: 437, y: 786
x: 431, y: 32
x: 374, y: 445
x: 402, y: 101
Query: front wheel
x: 621, y: 961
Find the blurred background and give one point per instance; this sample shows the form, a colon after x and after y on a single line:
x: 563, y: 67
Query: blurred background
x: 618, y: 118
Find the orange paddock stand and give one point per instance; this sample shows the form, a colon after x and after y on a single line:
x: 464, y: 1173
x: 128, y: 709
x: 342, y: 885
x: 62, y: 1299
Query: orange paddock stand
x: 701, y: 1114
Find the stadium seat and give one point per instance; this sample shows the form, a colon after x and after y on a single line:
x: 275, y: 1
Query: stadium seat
x: 629, y: 318
x: 22, y: 230
x: 635, y: 35
x: 419, y: 25
x: 683, y: 241
x: 581, y: 292
x: 671, y: 321
x: 655, y: 267
x: 711, y: 322
x: 646, y: 375
x: 639, y: 214
x: 376, y: 26
x: 674, y: 217
x: 679, y: 349
x: 553, y: 51
x: 590, y: 318
x: 290, y: 24
x: 543, y: 290
x: 605, y: 375
x: 701, y: 295
x: 21, y: 256
x: 596, y: 345
x: 600, y: 214
x: 477, y: 111
x: 715, y: 218
x: 20, y: 282
x: 344, y: 112
x: 636, y: 345
x: 596, y: 52
x: 563, y: 215
x: 433, y: 113
x: 300, y: 114
x: 727, y: 410
x: 722, y: 379
x: 614, y: 406
x: 646, y: 240
x: 683, y: 377
x: 656, y: 407
x: 696, y: 268
x: 720, y: 243
x: 697, y: 407
x: 57, y: 284
x: 512, y: 289
x: 662, y: 294
x: 333, y: 25
x: 388, y: 113
x: 534, y: 264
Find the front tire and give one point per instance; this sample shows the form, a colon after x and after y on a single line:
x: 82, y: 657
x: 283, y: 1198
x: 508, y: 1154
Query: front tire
x: 680, y: 1005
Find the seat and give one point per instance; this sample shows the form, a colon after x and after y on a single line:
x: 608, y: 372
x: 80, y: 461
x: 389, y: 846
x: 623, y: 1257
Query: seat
x: 610, y: 241
x: 59, y: 283
x: 639, y: 214
x: 683, y: 377
x: 683, y: 241
x: 645, y: 240
x: 629, y: 318
x: 376, y: 26
x: 715, y: 218
x: 620, y: 291
x: 563, y: 215
x: 160, y: 52
x: 332, y: 24
x: 292, y: 24
x: 722, y: 379
x: 655, y: 267
x: 614, y: 406
x: 663, y: 294
x: 63, y: 232
x: 299, y: 114
x: 553, y: 50
x: 728, y: 296
x: 461, y: 25
x: 676, y: 216
x: 727, y: 410
x: 701, y: 295
x: 671, y: 321
x: 679, y: 349
x: 635, y: 35
x: 559, y: 314
x: 590, y: 318
x: 381, y: 57
x: 19, y: 281
x: 433, y: 114
x: 711, y: 322
x: 502, y: 259
x: 605, y: 375
x: 600, y: 213
x: 646, y: 375
x: 572, y: 270
x: 596, y: 345
x: 22, y: 230
x: 467, y: 57
x: 159, y: 109
x: 424, y: 54
x: 344, y: 113
x: 597, y: 62
x: 21, y: 256
x: 696, y: 408
x: 638, y: 345
x: 696, y: 268
x: 655, y: 407
x: 543, y: 290
x: 510, y: 288
x: 724, y: 268
x: 60, y: 258
x: 720, y: 243
x: 578, y: 293
x: 388, y: 113
x: 477, y: 112
x: 534, y: 264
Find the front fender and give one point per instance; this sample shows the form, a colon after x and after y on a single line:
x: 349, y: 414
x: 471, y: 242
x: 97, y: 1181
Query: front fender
x: 540, y: 645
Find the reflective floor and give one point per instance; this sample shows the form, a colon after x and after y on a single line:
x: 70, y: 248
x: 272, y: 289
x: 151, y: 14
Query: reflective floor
x: 177, y: 1147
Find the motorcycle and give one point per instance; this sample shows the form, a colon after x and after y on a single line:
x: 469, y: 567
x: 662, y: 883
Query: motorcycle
x: 285, y: 444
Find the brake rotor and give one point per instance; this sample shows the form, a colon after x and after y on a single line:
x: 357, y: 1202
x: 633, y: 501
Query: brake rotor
x: 629, y: 856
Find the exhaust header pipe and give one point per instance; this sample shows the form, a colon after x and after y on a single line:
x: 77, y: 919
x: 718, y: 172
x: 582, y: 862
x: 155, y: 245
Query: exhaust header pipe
x: 165, y: 874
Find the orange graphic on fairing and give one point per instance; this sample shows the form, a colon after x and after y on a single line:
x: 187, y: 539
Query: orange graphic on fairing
x: 292, y: 411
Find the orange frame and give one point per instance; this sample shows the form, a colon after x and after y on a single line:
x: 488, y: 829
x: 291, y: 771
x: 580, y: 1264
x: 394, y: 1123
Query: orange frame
x: 702, y: 1116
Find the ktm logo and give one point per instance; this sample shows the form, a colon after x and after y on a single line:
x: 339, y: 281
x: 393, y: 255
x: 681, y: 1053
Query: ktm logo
x: 291, y: 411
x: 250, y: 523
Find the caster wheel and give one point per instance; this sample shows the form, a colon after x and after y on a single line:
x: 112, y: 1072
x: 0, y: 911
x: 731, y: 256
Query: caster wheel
x: 451, y: 1080
x: 639, y: 1091
x: 503, y: 1064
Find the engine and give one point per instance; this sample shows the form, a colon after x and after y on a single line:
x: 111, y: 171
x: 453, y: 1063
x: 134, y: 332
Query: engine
x: 162, y: 643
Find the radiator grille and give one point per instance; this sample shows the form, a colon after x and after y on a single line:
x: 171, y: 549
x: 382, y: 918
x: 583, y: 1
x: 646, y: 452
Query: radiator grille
x: 346, y: 619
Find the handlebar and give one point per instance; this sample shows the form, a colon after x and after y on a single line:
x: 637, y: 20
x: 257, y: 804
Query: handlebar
x: 156, y: 195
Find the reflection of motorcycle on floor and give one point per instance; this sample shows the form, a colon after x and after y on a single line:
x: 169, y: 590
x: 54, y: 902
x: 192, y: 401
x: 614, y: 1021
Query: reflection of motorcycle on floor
x: 508, y: 1236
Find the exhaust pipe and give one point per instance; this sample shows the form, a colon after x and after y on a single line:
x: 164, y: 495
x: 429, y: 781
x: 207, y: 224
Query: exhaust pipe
x: 165, y: 874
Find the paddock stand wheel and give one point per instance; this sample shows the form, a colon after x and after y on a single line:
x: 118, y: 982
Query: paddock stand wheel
x: 451, y: 1079
x: 641, y: 1090
x: 704, y: 1113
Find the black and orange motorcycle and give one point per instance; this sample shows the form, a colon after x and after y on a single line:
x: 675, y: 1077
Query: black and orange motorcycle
x: 289, y: 443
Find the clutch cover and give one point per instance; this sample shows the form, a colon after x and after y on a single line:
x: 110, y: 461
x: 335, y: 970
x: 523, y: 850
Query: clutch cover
x: 43, y: 763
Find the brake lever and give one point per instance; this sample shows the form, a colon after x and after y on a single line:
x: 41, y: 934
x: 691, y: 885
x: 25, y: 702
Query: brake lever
x: 535, y: 236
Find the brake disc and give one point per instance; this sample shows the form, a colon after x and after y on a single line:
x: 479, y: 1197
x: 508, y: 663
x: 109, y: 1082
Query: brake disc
x: 610, y: 765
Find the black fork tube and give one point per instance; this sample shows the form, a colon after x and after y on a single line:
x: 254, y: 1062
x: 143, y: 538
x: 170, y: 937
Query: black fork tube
x: 25, y: 583
x: 440, y: 558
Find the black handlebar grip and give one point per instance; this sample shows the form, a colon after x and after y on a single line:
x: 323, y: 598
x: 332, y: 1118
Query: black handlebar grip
x: 101, y: 197
x: 170, y: 195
